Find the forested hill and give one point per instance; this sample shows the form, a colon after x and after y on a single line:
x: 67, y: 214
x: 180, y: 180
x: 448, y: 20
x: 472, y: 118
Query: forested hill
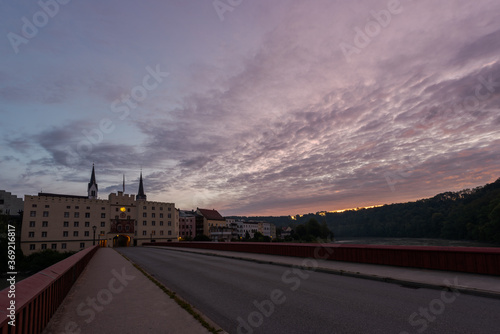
x: 471, y: 214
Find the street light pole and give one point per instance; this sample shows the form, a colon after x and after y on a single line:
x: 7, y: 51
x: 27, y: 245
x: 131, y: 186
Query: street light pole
x: 94, y: 228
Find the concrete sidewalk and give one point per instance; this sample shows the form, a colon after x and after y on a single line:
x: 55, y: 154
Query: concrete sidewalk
x: 482, y: 285
x: 112, y: 296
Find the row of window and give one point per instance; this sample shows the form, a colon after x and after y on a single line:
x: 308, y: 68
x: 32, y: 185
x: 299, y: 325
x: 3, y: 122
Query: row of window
x: 102, y: 208
x: 65, y: 234
x: 103, y: 224
x: 65, y: 224
x: 66, y: 214
x: 67, y: 207
x: 119, y: 228
x: 154, y: 208
x: 145, y: 214
x: 153, y: 233
x: 54, y: 246
x: 87, y: 214
x: 245, y: 231
x: 31, y: 234
x: 153, y: 223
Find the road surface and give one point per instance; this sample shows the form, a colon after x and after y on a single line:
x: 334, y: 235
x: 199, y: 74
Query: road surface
x: 248, y: 297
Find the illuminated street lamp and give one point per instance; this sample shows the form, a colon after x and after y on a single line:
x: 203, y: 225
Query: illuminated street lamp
x: 94, y: 228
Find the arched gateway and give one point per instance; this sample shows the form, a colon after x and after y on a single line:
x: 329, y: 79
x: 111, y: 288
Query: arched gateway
x: 121, y: 240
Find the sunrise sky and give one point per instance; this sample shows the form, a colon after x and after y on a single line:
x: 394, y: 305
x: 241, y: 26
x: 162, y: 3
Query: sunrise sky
x: 252, y: 107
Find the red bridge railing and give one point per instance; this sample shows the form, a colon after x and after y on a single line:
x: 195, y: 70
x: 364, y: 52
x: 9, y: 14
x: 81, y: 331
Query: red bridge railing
x: 38, y: 296
x: 479, y: 260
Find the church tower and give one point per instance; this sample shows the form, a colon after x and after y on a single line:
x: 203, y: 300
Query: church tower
x: 92, y: 188
x: 141, y: 195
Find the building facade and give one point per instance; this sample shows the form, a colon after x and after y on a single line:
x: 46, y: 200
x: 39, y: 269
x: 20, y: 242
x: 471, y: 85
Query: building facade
x: 220, y: 233
x: 187, y: 224
x: 267, y: 229
x: 247, y: 227
x: 10, y: 204
x: 251, y: 227
x: 70, y: 223
x: 210, y: 218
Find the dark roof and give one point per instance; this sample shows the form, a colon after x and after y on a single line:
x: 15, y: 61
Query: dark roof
x: 92, y: 179
x: 61, y: 195
x: 141, y: 194
x: 211, y: 214
x: 185, y: 213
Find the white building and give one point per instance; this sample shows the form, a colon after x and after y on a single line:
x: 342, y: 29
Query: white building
x: 247, y: 227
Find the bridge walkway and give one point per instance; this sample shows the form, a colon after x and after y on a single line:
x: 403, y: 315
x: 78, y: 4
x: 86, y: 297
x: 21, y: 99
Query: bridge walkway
x: 112, y: 296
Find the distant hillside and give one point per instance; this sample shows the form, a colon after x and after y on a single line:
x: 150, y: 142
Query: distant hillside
x: 470, y: 214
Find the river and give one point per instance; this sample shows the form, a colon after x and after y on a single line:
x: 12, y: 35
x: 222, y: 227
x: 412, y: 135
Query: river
x: 413, y: 242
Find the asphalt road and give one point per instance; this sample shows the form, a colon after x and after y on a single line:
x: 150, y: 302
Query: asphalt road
x: 248, y: 297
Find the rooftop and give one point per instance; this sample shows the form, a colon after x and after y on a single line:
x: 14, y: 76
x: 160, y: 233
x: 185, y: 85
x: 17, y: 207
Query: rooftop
x: 61, y: 195
x: 211, y: 214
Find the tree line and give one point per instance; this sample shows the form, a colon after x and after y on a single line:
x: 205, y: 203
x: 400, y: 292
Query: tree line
x: 470, y: 214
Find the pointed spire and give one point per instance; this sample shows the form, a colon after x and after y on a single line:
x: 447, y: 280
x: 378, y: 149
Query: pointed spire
x: 92, y: 188
x: 124, y: 183
x: 141, y: 195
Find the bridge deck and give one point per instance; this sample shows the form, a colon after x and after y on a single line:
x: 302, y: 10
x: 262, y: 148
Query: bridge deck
x: 112, y: 296
x: 477, y: 284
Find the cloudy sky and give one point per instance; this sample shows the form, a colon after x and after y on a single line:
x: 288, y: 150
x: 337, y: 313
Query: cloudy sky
x: 252, y: 107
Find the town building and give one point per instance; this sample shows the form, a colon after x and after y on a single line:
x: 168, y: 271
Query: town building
x: 267, y: 229
x: 251, y: 227
x: 210, y: 218
x: 223, y: 233
x: 70, y: 222
x: 247, y: 227
x: 10, y: 204
x: 187, y: 224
